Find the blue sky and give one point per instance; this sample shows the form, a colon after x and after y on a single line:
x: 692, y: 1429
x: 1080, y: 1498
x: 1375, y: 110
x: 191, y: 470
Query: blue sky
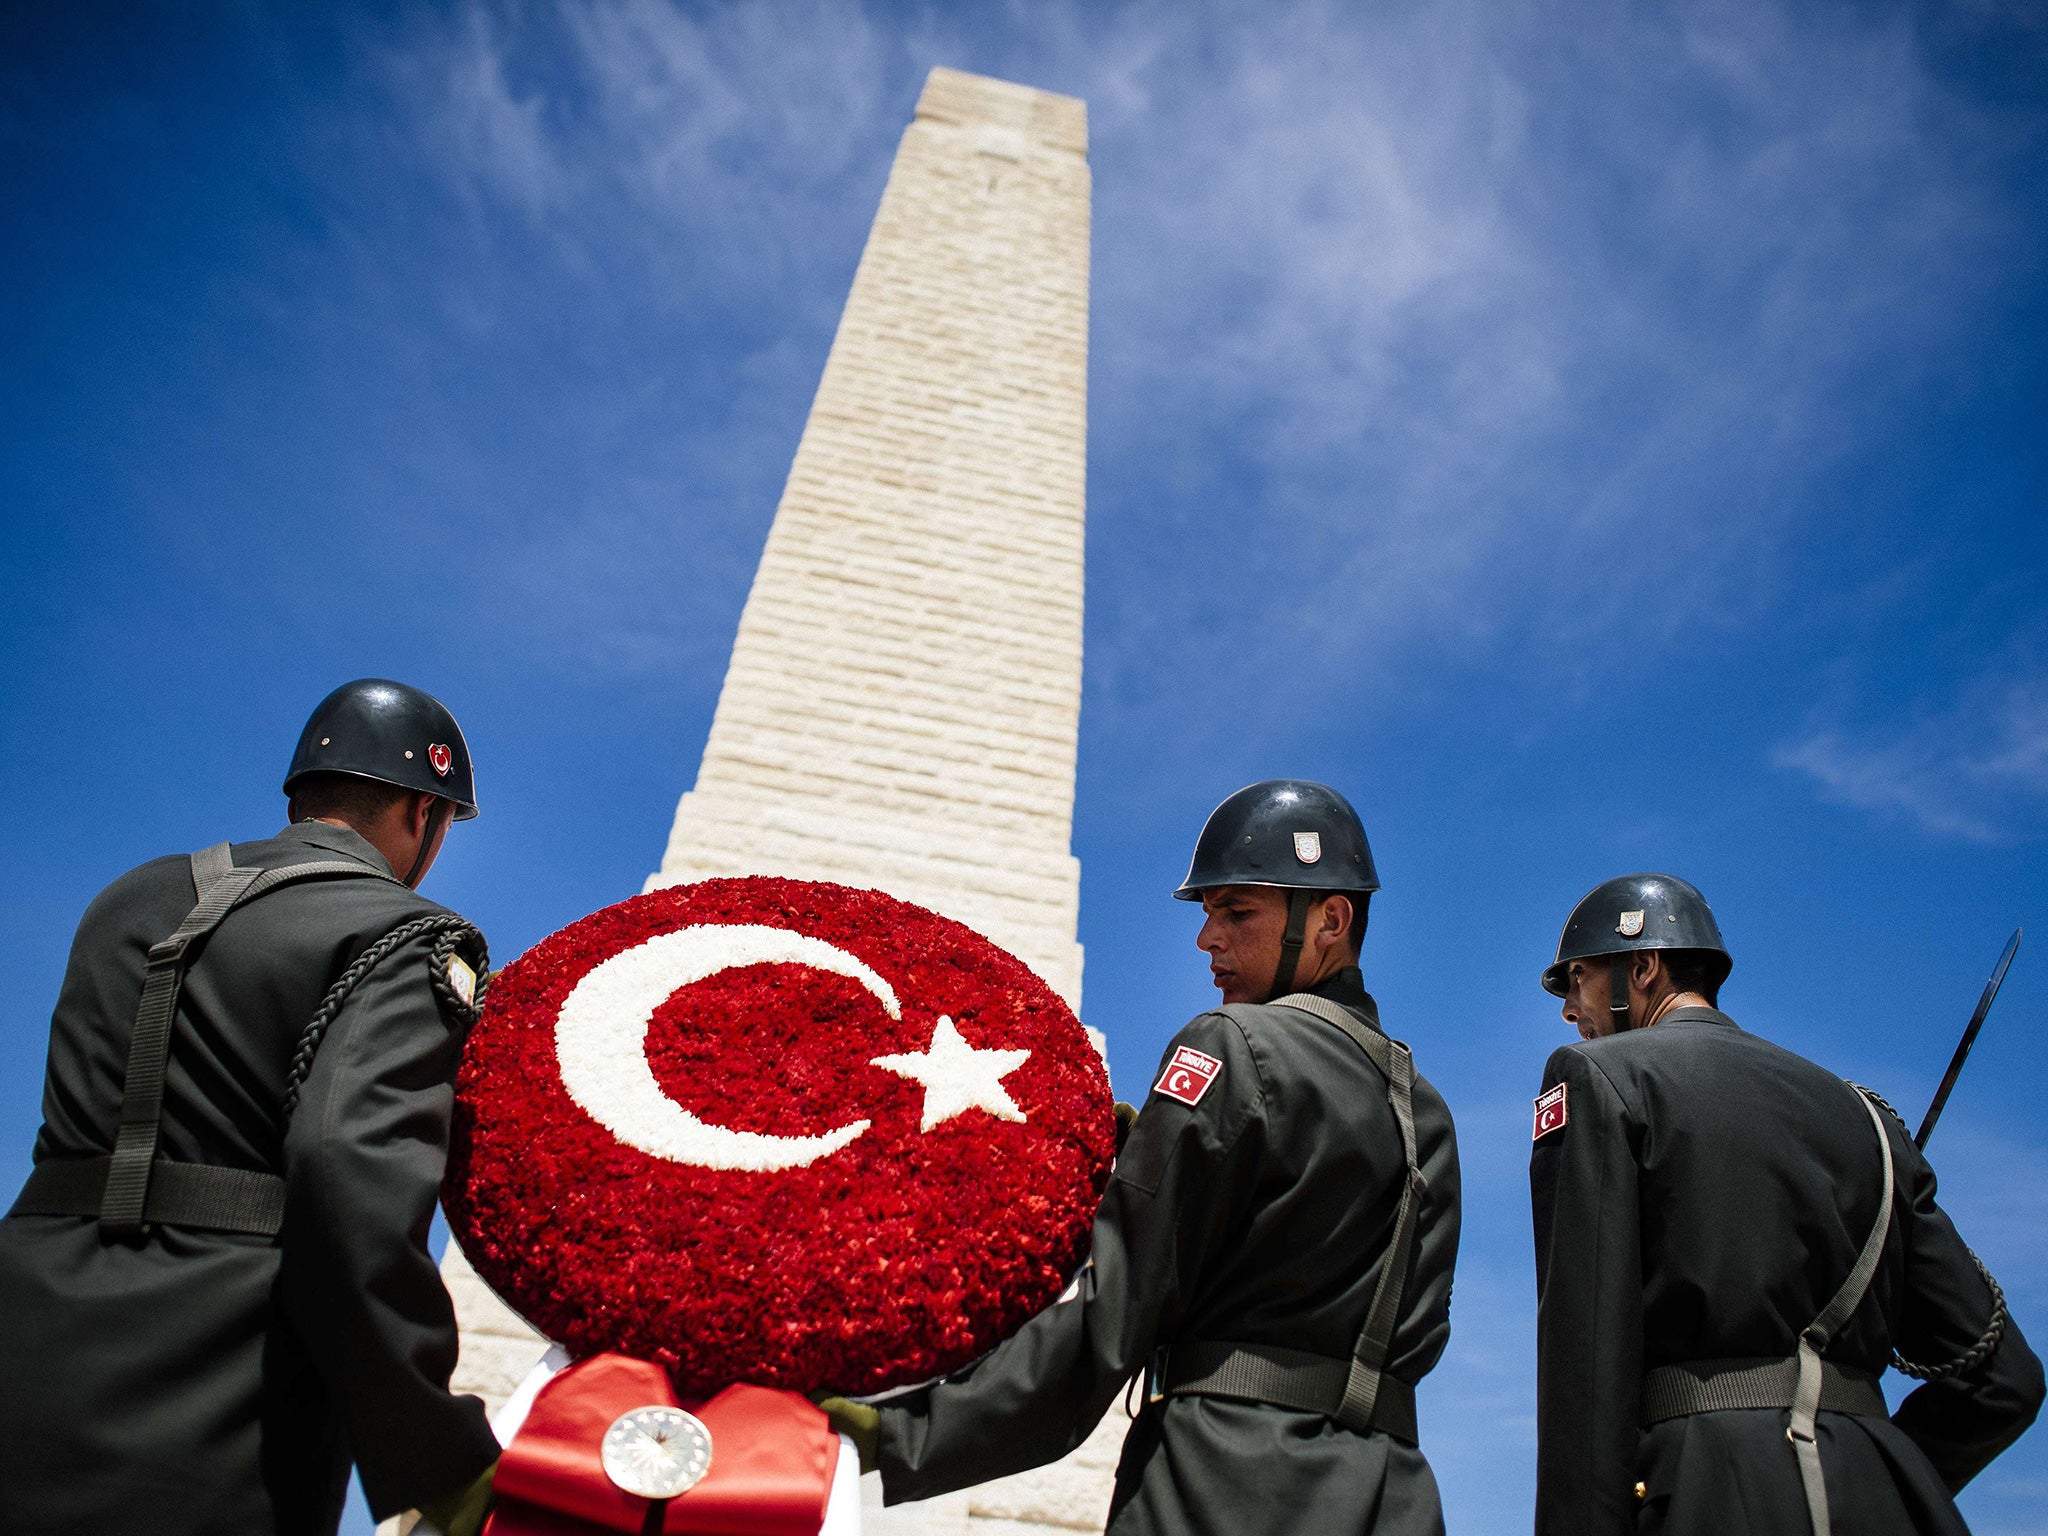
x: 1595, y: 436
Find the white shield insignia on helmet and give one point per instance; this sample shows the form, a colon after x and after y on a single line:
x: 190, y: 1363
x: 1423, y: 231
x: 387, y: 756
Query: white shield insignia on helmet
x: 1308, y: 846
x: 1630, y: 925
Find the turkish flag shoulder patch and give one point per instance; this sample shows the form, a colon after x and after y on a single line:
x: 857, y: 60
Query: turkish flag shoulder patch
x: 1188, y: 1075
x: 1551, y: 1112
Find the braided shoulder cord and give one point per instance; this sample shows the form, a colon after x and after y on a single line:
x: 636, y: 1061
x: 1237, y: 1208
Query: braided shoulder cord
x: 1978, y: 1352
x: 1884, y: 1104
x: 452, y: 933
x: 1994, y: 1330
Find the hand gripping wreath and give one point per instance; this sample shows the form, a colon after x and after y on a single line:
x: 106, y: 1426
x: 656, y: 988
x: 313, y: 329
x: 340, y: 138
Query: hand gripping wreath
x: 777, y: 1132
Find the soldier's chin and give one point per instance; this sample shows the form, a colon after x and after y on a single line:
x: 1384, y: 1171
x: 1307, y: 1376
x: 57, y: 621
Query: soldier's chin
x: 1233, y: 991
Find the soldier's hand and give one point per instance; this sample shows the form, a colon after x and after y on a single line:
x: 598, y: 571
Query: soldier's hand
x: 859, y: 1423
x: 461, y: 1512
x: 1126, y: 1117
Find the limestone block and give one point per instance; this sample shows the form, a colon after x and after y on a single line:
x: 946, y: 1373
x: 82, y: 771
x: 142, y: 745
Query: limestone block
x: 498, y: 1348
x: 943, y: 1516
x: 1072, y: 1494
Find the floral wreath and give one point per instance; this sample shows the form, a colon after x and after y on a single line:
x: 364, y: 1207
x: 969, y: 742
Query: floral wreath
x: 777, y: 1132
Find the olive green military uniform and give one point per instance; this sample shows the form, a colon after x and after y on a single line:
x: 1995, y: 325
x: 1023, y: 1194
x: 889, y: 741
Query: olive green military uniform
x: 1700, y: 1195
x: 187, y: 1380
x: 1260, y: 1215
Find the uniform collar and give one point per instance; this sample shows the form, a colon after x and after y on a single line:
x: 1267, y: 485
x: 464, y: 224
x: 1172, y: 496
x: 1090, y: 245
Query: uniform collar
x: 342, y: 840
x: 1696, y: 1016
x: 1347, y: 988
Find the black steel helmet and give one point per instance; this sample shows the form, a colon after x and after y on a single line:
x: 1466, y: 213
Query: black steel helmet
x: 1633, y: 912
x: 374, y: 728
x: 1293, y: 833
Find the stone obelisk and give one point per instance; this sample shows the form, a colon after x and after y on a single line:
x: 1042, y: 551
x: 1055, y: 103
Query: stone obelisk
x: 903, y: 700
x: 904, y: 694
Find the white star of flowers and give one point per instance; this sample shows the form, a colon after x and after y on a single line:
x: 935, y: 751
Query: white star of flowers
x: 957, y: 1077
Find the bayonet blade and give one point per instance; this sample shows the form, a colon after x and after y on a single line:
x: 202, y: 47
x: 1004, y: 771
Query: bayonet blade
x: 1955, y: 1065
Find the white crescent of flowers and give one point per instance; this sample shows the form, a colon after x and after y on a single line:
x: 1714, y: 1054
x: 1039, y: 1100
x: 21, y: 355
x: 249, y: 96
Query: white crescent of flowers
x: 601, y: 1046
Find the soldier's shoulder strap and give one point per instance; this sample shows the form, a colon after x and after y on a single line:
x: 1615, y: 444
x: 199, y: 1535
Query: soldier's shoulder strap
x: 1806, y: 1384
x: 222, y: 887
x: 1368, y: 1399
x: 1803, y: 1430
x: 133, y: 1188
x: 1884, y: 1104
x: 1396, y: 1063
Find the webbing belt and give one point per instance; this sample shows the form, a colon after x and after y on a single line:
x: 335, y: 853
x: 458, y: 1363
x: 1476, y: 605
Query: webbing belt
x: 1708, y: 1386
x: 135, y: 1187
x: 180, y: 1194
x: 1285, y: 1378
x: 1350, y: 1391
x: 1804, y: 1383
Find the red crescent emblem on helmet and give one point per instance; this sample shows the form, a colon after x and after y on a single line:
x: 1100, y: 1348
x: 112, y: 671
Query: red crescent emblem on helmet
x: 779, y: 1132
x: 441, y: 758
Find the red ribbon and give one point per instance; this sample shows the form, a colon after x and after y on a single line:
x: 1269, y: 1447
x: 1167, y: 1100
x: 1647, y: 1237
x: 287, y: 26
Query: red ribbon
x: 772, y: 1457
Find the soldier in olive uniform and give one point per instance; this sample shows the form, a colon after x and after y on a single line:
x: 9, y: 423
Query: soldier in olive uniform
x: 1274, y: 1251
x: 1731, y: 1244
x: 215, y: 1289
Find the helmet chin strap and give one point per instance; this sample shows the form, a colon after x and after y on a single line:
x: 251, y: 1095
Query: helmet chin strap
x: 437, y: 815
x: 1290, y: 943
x: 1617, y: 994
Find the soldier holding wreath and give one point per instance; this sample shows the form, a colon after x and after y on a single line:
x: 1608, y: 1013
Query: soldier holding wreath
x: 215, y: 1289
x: 1272, y: 1261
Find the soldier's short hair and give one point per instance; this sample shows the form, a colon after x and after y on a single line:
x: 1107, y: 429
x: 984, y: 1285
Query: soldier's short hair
x: 343, y: 796
x: 1694, y: 970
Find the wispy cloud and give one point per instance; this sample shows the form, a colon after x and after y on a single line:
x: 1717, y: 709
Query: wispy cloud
x: 1474, y: 309
x: 1454, y: 303
x: 1895, y: 777
x: 712, y: 145
x: 1976, y: 769
x: 499, y: 133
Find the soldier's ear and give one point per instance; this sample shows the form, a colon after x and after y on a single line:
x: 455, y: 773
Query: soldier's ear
x: 1340, y: 921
